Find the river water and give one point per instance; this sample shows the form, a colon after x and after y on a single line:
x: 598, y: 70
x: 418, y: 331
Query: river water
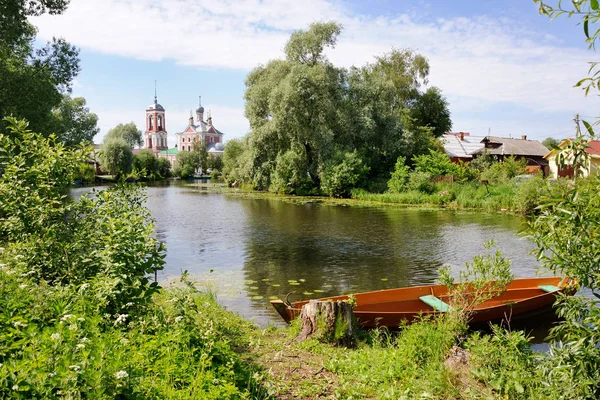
x: 248, y: 249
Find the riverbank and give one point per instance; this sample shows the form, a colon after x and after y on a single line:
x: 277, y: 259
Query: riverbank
x: 512, y: 198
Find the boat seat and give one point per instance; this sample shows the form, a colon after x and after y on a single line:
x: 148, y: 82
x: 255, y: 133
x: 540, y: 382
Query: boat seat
x: 549, y: 288
x: 434, y: 302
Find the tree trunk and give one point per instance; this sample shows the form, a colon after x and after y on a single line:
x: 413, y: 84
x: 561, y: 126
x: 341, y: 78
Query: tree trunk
x: 329, y: 320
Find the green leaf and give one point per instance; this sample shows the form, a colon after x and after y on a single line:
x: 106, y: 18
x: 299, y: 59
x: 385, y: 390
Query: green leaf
x: 519, y: 388
x: 594, y: 4
x: 585, y: 28
x: 589, y: 128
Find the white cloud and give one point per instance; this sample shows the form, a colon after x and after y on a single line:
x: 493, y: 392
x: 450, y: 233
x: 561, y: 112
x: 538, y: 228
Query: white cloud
x: 488, y: 60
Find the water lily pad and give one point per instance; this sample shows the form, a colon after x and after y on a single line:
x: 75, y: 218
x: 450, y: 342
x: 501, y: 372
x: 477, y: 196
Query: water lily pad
x: 265, y: 280
x: 292, y: 280
x: 276, y: 285
x: 318, y: 291
x: 253, y: 287
x: 302, y: 280
x: 257, y: 297
x: 327, y: 285
x: 384, y: 279
x: 250, y: 282
x: 294, y: 283
x: 307, y: 293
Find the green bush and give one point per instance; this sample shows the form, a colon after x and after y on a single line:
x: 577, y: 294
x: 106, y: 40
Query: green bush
x: 116, y: 157
x: 79, y: 317
x: 399, y: 180
x: 421, y: 182
x: 529, y: 193
x: 86, y: 173
x: 341, y: 176
x: 436, y: 163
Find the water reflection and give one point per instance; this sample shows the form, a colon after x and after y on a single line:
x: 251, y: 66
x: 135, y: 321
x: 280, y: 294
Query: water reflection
x: 253, y: 249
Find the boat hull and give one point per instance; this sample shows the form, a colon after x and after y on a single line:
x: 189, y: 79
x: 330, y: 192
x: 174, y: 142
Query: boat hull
x: 523, y: 299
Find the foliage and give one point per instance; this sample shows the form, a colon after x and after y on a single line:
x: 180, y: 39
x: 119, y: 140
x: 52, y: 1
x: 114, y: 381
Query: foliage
x: 305, y: 114
x: 147, y: 166
x: 235, y: 158
x: 566, y: 232
x: 431, y: 109
x: 551, y: 143
x: 421, y: 182
x: 189, y: 162
x: 529, y: 194
x: 481, y: 279
x: 342, y: 174
x: 482, y: 162
x: 78, y: 314
x: 86, y: 173
x: 436, y: 163
x: 32, y: 78
x: 589, y: 13
x: 72, y: 121
x: 504, y: 171
x: 215, y: 163
x: 127, y: 132
x: 116, y: 157
x: 505, y: 362
x: 399, y: 179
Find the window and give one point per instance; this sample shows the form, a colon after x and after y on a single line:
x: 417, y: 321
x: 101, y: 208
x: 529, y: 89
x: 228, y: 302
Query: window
x: 160, y: 122
x: 150, y: 122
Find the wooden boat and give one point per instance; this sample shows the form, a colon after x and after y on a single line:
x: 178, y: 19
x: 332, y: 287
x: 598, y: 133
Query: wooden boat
x: 523, y: 298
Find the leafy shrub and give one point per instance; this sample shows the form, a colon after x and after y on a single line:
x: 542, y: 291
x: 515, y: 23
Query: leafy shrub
x: 215, y: 175
x: 116, y: 157
x: 436, y: 163
x: 529, y: 194
x: 78, y: 315
x: 504, y: 171
x: 289, y: 173
x: 400, y: 176
x: 86, y: 173
x: 421, y: 182
x: 340, y: 177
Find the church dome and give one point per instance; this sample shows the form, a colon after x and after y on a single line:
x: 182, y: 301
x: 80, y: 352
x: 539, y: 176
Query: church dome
x: 156, y: 106
x: 219, y: 146
x: 200, y: 109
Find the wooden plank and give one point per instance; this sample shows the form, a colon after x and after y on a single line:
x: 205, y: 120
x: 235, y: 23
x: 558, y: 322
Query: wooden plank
x: 549, y: 288
x: 434, y: 302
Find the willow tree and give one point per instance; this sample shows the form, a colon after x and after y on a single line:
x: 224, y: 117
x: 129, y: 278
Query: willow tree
x: 319, y: 128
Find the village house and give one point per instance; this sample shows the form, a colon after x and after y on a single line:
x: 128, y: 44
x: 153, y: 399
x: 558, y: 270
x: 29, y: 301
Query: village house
x: 464, y: 147
x: 593, y: 166
x: 459, y: 146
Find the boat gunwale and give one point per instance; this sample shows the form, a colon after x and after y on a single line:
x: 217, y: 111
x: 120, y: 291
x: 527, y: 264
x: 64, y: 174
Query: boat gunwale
x: 565, y: 283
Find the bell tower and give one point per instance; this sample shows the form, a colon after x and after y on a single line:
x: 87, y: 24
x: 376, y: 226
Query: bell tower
x: 156, y: 129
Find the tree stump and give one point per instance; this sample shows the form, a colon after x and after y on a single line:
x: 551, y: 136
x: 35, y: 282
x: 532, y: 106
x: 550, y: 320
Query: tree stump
x: 329, y: 320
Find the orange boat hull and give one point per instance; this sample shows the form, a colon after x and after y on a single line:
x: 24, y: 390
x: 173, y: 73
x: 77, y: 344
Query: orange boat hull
x: 523, y: 298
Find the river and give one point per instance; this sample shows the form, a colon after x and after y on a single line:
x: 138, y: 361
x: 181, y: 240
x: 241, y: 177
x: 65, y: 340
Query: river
x: 250, y: 249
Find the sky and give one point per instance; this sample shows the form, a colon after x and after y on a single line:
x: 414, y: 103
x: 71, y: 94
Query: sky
x: 504, y: 69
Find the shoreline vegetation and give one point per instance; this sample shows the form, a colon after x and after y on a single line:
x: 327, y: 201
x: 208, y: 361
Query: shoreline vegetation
x: 80, y: 317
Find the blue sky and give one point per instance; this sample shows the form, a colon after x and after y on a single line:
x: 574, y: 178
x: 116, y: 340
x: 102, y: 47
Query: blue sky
x: 503, y: 68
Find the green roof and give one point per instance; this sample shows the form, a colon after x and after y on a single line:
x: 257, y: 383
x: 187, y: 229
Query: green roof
x: 169, y: 152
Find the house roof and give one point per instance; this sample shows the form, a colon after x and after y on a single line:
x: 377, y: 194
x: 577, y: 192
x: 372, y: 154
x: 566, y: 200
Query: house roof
x: 455, y: 147
x: 517, y: 147
x: 168, y: 152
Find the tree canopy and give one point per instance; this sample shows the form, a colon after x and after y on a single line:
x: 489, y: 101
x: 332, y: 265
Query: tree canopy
x: 128, y: 132
x: 72, y: 121
x: 33, y: 80
x: 310, y: 119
